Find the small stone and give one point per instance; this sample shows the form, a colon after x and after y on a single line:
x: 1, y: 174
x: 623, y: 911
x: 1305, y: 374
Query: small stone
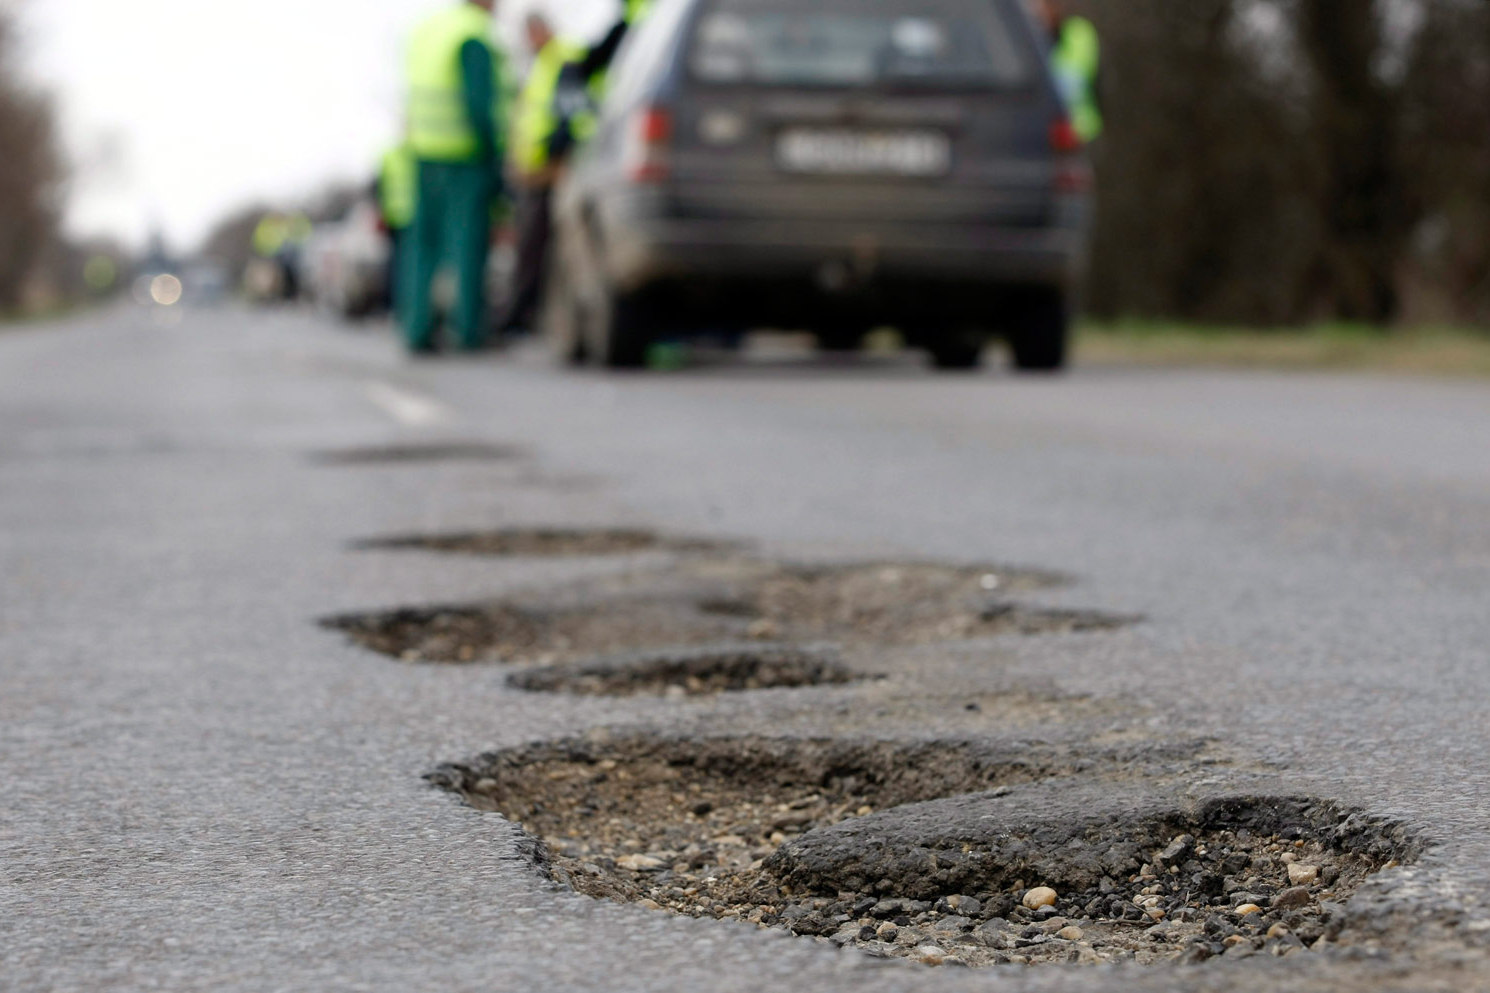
x: 1247, y: 909
x: 929, y: 955
x: 1278, y: 931
x: 763, y: 630
x: 886, y: 932
x: 649, y: 904
x: 1300, y: 874
x: 1071, y: 933
x: 1231, y: 941
x: 1291, y: 898
x: 1040, y: 896
x: 640, y: 863
x: 1157, y: 913
x: 964, y: 905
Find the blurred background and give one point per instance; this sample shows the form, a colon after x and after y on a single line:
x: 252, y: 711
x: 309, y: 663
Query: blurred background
x: 1266, y: 163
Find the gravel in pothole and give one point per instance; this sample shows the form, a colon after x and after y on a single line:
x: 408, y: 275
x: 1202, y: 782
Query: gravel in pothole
x: 544, y: 543
x: 418, y: 452
x: 726, y: 600
x: 938, y: 852
x: 684, y: 672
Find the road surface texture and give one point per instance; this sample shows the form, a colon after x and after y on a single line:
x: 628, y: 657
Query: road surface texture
x: 207, y: 788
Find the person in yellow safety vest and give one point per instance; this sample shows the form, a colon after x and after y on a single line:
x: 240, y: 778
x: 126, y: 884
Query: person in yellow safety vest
x: 456, y: 130
x: 279, y: 239
x: 1076, y: 58
x: 398, y: 199
x: 541, y: 137
x: 270, y: 236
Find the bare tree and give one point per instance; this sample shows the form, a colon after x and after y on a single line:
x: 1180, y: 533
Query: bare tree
x: 30, y: 173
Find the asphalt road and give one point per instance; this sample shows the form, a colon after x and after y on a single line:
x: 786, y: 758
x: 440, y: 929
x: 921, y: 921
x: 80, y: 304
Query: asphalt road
x: 203, y: 789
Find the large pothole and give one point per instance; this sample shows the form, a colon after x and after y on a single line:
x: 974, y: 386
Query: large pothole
x: 727, y: 600
x: 936, y: 851
x: 697, y: 672
x: 544, y: 542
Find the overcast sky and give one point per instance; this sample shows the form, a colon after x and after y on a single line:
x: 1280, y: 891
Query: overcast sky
x: 177, y: 111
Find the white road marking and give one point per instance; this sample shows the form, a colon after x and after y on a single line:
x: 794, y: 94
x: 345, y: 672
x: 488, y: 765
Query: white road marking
x: 408, y: 408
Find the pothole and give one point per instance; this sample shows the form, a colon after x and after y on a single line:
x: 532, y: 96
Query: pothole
x: 941, y: 852
x: 544, y: 543
x: 681, y: 672
x: 726, y: 600
x: 511, y: 632
x: 899, y: 603
x: 419, y: 452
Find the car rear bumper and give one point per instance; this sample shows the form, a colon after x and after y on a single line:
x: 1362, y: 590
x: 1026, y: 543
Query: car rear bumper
x: 838, y: 255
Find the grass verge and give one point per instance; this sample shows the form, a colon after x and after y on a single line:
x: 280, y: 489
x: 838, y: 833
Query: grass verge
x: 1420, y: 351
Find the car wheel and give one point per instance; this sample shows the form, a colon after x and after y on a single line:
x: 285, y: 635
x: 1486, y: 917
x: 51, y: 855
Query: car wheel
x: 625, y: 332
x: 563, y: 318
x: 961, y: 350
x: 839, y: 339
x: 1039, y: 341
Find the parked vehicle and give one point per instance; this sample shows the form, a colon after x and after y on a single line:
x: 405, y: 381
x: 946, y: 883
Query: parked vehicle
x: 347, y: 263
x: 836, y: 166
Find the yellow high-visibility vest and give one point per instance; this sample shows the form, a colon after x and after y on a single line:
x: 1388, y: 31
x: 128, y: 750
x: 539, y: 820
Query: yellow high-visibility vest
x: 1076, y: 58
x: 536, y: 119
x: 439, y: 128
x: 398, y: 186
x: 271, y: 235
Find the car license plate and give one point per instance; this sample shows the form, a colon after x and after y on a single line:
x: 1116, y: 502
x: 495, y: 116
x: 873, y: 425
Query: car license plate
x: 864, y: 153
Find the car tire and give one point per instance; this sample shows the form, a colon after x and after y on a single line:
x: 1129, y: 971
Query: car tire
x: 1040, y: 341
x: 840, y: 339
x: 626, y: 331
x: 958, y: 352
x: 563, y: 318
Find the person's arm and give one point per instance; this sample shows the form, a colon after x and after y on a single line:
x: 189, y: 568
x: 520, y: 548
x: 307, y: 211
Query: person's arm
x: 480, y: 77
x: 599, y: 58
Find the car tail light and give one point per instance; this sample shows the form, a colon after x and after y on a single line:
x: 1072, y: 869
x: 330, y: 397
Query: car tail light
x: 648, y: 153
x: 1063, y: 137
x: 1073, y: 174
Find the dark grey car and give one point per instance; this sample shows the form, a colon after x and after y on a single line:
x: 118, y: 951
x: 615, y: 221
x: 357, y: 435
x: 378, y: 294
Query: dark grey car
x: 837, y: 166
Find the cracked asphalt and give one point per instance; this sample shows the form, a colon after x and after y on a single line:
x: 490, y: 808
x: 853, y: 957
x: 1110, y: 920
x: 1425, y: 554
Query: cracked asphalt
x: 205, y: 789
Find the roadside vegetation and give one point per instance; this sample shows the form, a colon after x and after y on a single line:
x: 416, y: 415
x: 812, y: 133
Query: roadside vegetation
x: 1421, y: 351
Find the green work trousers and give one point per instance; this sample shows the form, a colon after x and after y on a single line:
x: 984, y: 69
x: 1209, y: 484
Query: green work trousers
x: 452, y: 226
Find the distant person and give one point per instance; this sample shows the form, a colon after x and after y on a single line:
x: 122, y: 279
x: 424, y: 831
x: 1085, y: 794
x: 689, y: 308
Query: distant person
x: 398, y: 199
x: 456, y: 134
x: 541, y: 137
x: 1076, y: 58
x: 279, y: 239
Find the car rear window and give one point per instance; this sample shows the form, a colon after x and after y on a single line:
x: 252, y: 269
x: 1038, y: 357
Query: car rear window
x: 857, y: 43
